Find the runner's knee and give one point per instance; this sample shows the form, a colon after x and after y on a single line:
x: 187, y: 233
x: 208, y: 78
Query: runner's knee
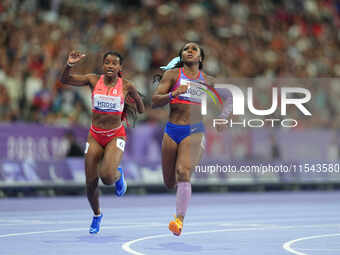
x: 109, y: 175
x: 182, y: 173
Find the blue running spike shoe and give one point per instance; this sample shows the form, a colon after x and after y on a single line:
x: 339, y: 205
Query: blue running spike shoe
x: 95, y: 225
x: 121, y: 185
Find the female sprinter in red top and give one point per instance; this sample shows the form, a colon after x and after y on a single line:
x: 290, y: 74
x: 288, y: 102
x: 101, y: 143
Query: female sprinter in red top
x: 106, y: 139
x: 183, y: 141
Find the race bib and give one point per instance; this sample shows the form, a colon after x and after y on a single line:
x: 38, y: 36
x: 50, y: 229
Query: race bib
x: 86, y: 148
x: 195, y: 91
x: 120, y: 144
x: 107, y: 103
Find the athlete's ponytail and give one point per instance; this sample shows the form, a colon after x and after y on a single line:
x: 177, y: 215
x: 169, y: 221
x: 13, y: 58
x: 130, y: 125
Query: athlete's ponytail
x: 130, y: 110
x: 174, y: 63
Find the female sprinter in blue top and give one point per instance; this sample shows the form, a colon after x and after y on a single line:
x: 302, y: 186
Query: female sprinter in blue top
x: 183, y: 141
x: 106, y: 139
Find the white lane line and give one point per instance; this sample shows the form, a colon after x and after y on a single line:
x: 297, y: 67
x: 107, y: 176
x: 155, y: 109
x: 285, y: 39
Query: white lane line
x: 126, y: 246
x: 37, y: 222
x: 287, y: 245
x: 73, y: 230
x: 319, y: 249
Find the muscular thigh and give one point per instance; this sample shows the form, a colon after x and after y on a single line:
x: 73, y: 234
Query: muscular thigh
x: 93, y: 155
x: 189, y: 152
x: 112, y: 155
x: 169, y: 154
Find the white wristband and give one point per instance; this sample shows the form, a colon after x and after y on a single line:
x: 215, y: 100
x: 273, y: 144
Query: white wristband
x: 70, y: 65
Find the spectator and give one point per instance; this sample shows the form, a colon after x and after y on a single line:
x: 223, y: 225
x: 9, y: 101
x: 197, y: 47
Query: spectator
x: 243, y: 39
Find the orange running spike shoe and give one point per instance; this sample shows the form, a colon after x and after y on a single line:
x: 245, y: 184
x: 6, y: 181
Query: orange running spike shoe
x: 175, y: 226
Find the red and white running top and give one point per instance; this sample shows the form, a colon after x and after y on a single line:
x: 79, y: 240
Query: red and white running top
x: 108, y: 100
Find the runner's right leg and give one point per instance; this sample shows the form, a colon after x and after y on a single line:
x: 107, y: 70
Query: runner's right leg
x: 93, y: 155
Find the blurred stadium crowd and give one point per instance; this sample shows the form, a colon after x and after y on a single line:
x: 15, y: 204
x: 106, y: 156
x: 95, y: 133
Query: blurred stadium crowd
x: 241, y: 39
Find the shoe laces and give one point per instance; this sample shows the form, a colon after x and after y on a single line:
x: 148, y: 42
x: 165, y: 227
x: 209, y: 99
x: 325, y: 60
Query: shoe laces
x: 95, y: 221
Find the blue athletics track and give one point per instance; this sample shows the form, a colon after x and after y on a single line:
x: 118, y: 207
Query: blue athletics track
x: 232, y: 223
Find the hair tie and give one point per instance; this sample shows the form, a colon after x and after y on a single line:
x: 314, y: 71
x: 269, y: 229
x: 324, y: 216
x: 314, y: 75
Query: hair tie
x: 171, y: 64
